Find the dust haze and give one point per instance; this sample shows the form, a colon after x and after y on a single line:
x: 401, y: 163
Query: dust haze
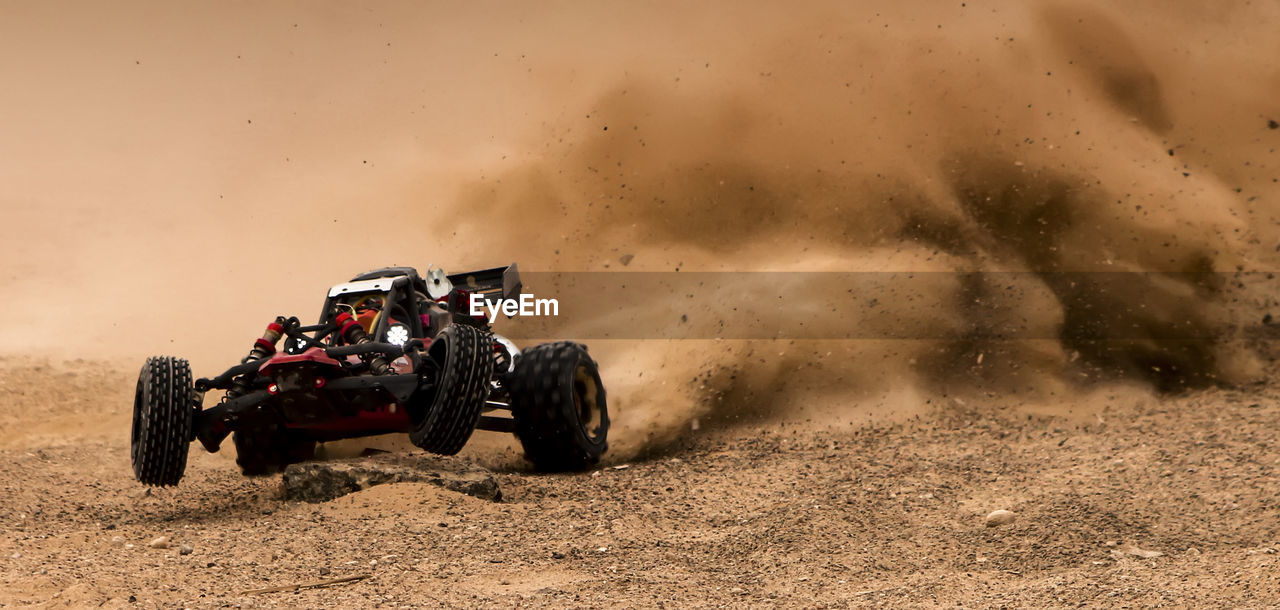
x: 174, y: 180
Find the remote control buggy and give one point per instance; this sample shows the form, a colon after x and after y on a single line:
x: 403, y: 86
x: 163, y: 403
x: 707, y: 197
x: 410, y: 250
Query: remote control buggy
x: 393, y: 352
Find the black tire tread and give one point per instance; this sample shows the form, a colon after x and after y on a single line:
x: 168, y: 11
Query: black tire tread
x: 256, y: 452
x: 445, y: 420
x: 547, y: 421
x: 163, y: 416
x: 268, y: 448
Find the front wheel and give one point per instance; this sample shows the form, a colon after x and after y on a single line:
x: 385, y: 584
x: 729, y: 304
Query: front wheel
x: 444, y: 414
x: 558, y: 402
x: 163, y: 412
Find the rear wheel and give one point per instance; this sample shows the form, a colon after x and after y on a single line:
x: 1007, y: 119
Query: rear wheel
x: 266, y: 449
x: 162, y: 420
x: 558, y: 402
x: 444, y: 416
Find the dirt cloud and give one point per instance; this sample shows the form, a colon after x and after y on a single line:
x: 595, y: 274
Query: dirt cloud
x: 1058, y: 139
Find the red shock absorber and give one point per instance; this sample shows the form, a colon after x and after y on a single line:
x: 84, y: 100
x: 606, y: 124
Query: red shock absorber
x: 354, y: 334
x: 262, y: 347
x: 266, y: 344
x: 349, y: 329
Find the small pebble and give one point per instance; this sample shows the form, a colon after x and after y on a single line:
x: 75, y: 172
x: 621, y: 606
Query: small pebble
x: 161, y: 542
x: 185, y: 549
x: 1000, y: 517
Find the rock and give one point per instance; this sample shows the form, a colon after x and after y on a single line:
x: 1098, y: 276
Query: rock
x: 1145, y: 554
x: 117, y: 541
x: 324, y: 481
x: 185, y: 549
x: 626, y: 259
x: 161, y: 542
x: 1000, y: 517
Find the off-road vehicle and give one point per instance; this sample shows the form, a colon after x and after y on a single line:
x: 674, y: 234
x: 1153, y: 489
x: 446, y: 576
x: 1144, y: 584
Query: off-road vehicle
x: 393, y: 352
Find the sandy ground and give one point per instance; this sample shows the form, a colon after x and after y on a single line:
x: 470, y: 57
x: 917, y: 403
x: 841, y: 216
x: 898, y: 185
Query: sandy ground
x: 763, y: 513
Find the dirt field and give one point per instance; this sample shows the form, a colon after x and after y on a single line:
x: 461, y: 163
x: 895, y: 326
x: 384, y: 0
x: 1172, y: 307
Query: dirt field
x: 764, y: 513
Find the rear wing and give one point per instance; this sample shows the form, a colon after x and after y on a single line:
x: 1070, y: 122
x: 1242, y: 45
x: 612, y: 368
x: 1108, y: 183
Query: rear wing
x: 496, y: 283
